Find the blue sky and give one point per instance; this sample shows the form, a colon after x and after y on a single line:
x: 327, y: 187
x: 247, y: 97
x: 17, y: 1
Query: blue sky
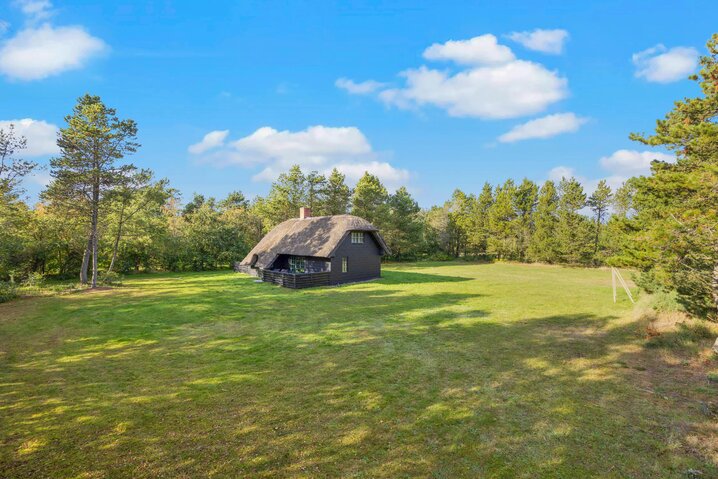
x: 421, y: 93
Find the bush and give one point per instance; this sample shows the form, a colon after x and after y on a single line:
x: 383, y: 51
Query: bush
x: 8, y: 291
x: 34, y: 280
x: 111, y: 279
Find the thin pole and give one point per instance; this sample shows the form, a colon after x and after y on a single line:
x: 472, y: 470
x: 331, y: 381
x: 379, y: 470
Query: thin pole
x: 625, y: 286
x: 613, y: 281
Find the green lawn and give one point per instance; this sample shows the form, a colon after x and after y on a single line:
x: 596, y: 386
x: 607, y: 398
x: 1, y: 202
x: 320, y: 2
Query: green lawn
x: 436, y: 370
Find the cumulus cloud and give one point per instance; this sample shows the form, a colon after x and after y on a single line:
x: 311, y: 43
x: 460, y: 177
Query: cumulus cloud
x: 632, y: 162
x: 490, y: 83
x: 211, y: 140
x: 481, y: 50
x: 661, y: 65
x: 545, y: 127
x: 37, y: 53
x: 545, y: 41
x: 41, y: 136
x: 318, y: 148
x: 620, y: 166
x: 42, y: 50
x: 511, y: 90
x: 360, y: 88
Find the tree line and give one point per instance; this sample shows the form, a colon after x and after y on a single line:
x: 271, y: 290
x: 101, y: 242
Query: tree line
x: 101, y: 214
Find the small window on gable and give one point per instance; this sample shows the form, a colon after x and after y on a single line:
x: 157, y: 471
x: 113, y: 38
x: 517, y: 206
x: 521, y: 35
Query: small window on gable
x: 357, y: 237
x: 345, y: 264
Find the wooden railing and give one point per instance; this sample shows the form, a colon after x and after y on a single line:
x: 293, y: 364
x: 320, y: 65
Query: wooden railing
x: 294, y: 280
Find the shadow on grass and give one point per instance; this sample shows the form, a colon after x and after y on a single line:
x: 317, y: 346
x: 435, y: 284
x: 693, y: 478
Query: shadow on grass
x: 406, y: 277
x: 232, y: 378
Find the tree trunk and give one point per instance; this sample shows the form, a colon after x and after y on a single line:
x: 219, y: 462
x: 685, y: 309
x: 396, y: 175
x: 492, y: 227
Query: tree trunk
x: 86, y: 261
x: 95, y: 207
x: 117, y: 239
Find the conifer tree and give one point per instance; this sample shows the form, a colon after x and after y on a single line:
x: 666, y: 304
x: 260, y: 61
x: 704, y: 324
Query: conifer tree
x: 599, y: 202
x: 403, y: 233
x: 573, y: 232
x: 674, y: 231
x: 369, y: 200
x: 502, y: 238
x: 91, y: 145
x: 543, y: 245
x: 337, y: 195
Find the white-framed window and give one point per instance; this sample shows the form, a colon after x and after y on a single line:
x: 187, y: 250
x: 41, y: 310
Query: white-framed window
x: 296, y: 264
x: 345, y: 264
x: 357, y: 237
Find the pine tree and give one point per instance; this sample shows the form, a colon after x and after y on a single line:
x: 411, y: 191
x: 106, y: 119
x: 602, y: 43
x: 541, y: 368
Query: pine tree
x: 543, y: 245
x: 369, y: 200
x: 403, y: 233
x: 91, y: 144
x: 502, y: 215
x: 674, y: 229
x: 599, y: 202
x: 483, y: 206
x: 525, y: 198
x: 316, y: 185
x: 287, y: 194
x: 337, y: 195
x: 573, y: 230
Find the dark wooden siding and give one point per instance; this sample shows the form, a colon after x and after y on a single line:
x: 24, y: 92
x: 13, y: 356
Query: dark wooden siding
x: 311, y: 264
x: 364, y: 260
x: 291, y: 280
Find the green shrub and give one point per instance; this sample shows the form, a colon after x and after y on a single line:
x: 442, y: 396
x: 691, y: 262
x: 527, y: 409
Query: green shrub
x: 8, y: 291
x: 34, y: 280
x: 111, y: 279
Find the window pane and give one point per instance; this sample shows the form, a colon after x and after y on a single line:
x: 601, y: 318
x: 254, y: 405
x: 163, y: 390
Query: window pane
x: 344, y: 265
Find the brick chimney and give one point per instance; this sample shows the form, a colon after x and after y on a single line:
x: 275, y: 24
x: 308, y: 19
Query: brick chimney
x: 305, y: 212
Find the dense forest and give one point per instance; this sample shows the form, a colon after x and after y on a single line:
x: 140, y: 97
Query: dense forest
x: 100, y: 215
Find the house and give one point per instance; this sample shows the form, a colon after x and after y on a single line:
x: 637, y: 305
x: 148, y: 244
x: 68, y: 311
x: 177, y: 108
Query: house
x: 317, y: 251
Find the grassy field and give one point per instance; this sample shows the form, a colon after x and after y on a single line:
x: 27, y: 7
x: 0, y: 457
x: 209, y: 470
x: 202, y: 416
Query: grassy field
x: 437, y: 370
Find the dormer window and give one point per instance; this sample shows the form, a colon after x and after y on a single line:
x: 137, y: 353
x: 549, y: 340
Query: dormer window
x: 357, y: 237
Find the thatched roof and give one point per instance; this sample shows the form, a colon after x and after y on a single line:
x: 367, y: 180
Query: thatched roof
x: 315, y: 236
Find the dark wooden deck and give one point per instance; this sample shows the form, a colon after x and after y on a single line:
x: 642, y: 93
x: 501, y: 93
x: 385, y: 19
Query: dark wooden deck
x: 294, y: 280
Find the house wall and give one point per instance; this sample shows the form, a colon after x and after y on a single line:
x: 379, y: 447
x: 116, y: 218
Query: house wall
x: 364, y: 260
x: 311, y: 264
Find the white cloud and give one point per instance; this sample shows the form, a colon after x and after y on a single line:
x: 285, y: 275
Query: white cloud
x: 620, y: 165
x: 546, y: 41
x: 361, y: 88
x: 318, y: 148
x: 36, y: 53
x: 393, y: 177
x: 545, y: 127
x: 481, y: 50
x: 213, y: 139
x: 559, y: 172
x: 41, y: 136
x: 35, y: 10
x: 491, y: 84
x: 632, y: 162
x: 661, y: 65
x: 511, y: 90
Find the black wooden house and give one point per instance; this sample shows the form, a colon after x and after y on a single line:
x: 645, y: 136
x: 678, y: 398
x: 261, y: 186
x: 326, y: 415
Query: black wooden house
x: 317, y: 251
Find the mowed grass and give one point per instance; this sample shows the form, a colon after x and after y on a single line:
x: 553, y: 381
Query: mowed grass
x: 436, y: 370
